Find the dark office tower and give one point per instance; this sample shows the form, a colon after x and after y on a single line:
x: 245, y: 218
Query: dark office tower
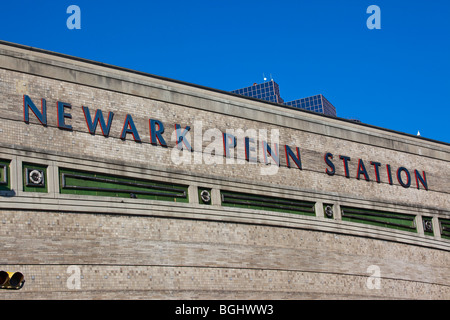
x: 268, y: 91
x: 316, y: 103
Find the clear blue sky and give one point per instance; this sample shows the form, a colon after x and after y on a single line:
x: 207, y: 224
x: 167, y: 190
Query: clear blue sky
x: 397, y: 77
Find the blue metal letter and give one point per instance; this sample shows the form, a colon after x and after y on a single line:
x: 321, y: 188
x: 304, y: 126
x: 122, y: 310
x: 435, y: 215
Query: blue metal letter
x: 388, y: 170
x: 181, y: 138
x: 62, y: 115
x: 156, y: 135
x: 423, y: 179
x: 399, y: 177
x: 327, y: 158
x: 376, y: 166
x: 129, y: 127
x: 227, y: 144
x: 268, y: 151
x: 40, y: 115
x: 290, y: 155
x: 362, y: 169
x: 249, y: 148
x: 345, y: 160
x: 92, y: 125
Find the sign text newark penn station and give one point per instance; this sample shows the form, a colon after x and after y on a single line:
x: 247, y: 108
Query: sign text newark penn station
x: 291, y: 153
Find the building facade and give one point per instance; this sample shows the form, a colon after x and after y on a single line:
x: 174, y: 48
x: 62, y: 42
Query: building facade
x: 116, y: 184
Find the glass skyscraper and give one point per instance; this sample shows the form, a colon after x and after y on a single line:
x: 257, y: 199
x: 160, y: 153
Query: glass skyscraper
x: 317, y: 103
x: 270, y: 91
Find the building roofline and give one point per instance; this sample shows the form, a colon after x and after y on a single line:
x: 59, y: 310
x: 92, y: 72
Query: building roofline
x: 146, y: 74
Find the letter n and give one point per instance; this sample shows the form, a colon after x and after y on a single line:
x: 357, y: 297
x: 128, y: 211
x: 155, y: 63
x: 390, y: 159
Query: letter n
x: 40, y: 115
x: 422, y: 179
x: 267, y: 151
x: 290, y: 155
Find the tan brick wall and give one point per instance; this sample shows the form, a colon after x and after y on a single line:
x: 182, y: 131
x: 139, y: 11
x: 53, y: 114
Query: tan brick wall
x: 144, y: 257
x: 133, y: 248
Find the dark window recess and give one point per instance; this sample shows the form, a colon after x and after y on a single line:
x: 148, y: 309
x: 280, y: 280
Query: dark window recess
x: 262, y: 202
x: 90, y: 183
x: 380, y: 218
x: 445, y: 228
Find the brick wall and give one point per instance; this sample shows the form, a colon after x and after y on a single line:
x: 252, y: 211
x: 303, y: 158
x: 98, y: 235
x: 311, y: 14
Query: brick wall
x: 147, y: 257
x: 137, y: 248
